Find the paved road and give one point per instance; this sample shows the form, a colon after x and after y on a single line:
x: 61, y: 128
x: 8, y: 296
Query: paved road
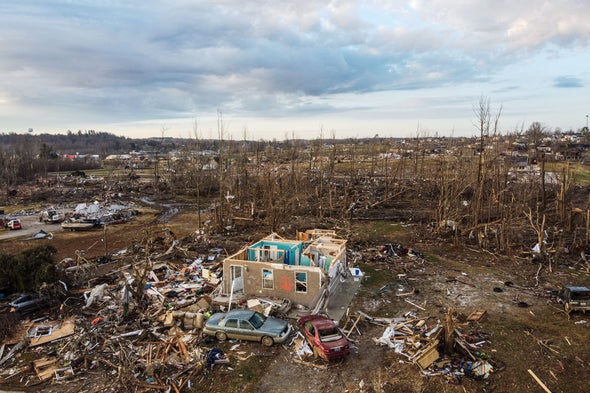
x: 31, y: 226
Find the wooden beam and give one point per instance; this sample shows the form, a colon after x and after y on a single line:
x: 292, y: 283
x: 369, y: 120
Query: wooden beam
x: 415, y: 305
x: 541, y: 384
x: 353, y: 325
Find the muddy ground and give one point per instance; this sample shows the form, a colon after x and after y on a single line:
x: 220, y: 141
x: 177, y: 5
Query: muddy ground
x: 525, y: 328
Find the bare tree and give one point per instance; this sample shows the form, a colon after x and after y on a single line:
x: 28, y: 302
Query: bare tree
x: 538, y: 225
x: 488, y: 127
x: 198, y: 169
x: 220, y: 214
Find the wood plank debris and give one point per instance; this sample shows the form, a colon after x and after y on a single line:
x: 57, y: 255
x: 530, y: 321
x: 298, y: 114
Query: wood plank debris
x: 428, y: 355
x: 541, y: 384
x: 411, y: 337
x: 415, y: 305
x: 309, y: 364
x: 476, y: 315
x: 45, y: 332
x: 45, y: 368
x: 356, y: 321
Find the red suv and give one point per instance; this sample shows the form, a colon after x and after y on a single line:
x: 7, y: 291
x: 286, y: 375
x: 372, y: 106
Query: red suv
x: 326, y: 339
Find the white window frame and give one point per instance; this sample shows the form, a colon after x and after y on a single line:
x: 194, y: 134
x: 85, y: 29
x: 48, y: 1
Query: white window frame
x: 300, y: 283
x: 268, y: 281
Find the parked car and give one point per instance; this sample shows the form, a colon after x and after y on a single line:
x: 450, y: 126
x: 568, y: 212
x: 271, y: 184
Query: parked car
x: 14, y: 224
x: 247, y: 325
x: 574, y: 298
x: 324, y: 337
x: 27, y: 303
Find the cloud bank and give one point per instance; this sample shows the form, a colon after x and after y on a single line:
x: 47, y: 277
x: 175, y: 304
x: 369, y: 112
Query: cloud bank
x: 136, y: 61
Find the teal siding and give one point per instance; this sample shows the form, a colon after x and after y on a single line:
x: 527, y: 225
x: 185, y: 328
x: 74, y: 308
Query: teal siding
x: 289, y: 250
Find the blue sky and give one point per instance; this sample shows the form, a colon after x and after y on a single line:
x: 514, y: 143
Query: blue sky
x: 283, y: 69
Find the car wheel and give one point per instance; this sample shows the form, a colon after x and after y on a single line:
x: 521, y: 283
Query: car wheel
x: 267, y: 341
x: 221, y: 336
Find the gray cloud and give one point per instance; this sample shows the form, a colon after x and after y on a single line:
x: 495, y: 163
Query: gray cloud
x: 567, y: 82
x: 131, y: 60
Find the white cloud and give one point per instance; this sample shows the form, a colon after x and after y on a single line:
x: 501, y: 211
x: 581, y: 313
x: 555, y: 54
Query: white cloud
x: 129, y: 61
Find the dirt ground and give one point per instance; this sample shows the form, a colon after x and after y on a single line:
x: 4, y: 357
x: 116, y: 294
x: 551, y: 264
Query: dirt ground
x: 525, y: 328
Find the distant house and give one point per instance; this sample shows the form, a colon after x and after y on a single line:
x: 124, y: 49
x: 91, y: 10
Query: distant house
x: 303, y: 271
x: 118, y: 157
x: 572, y: 154
x: 89, y: 157
x: 82, y: 157
x: 520, y: 162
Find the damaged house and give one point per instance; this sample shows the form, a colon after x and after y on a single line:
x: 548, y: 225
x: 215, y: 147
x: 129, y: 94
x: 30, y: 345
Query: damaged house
x: 303, y: 271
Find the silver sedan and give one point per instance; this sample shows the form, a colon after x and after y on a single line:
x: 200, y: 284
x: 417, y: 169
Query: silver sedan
x: 247, y: 325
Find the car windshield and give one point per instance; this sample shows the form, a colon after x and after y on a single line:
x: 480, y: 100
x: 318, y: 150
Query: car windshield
x: 257, y: 320
x: 23, y: 299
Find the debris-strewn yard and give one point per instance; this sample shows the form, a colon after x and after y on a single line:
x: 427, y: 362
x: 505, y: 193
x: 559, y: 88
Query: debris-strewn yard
x: 429, y: 316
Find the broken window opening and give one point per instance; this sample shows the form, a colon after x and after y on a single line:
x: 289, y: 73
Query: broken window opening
x: 310, y: 328
x: 265, y: 253
x: 301, y: 282
x: 267, y: 279
x: 41, y: 331
x: 231, y: 323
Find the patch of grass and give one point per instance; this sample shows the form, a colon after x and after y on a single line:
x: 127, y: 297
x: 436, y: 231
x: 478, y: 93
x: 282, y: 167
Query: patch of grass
x: 375, y: 278
x: 17, y: 208
x: 431, y: 258
x: 387, y: 228
x: 250, y: 371
x: 380, y: 232
x: 377, y: 293
x: 582, y: 174
x: 514, y: 341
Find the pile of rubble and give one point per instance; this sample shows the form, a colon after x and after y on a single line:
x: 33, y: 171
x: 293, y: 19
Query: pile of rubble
x: 421, y: 342
x: 124, y: 325
x: 135, y: 323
